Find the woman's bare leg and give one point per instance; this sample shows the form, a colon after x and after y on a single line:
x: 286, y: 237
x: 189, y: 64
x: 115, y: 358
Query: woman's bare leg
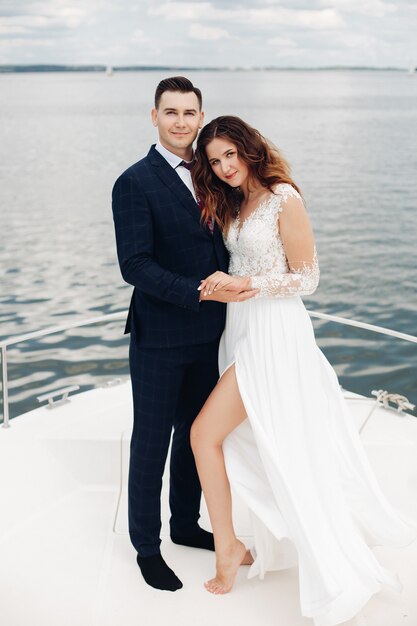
x: 222, y: 413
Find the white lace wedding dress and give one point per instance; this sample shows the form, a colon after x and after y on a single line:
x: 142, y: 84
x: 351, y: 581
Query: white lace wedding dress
x: 298, y: 461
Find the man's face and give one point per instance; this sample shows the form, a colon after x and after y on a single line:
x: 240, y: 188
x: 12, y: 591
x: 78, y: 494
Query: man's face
x: 178, y: 119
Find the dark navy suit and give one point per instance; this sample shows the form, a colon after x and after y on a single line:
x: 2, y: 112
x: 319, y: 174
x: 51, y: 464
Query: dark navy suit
x: 164, y: 251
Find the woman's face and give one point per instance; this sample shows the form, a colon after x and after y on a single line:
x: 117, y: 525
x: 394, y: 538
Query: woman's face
x: 225, y: 163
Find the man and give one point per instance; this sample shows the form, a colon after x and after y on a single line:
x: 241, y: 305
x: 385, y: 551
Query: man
x: 164, y: 251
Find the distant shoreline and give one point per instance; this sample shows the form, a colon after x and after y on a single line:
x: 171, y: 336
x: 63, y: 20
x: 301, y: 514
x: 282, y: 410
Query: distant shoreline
x: 17, y: 69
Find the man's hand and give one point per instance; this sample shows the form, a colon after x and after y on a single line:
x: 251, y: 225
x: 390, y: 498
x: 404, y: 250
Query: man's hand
x: 225, y: 295
x: 224, y: 282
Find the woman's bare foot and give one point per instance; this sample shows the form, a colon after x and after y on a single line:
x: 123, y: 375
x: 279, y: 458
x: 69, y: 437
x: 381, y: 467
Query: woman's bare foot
x: 248, y: 558
x: 227, y: 565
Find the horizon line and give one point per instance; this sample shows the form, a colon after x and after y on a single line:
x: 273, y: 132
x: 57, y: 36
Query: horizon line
x: 51, y: 67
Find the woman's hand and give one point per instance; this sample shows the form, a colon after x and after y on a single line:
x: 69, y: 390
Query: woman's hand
x: 220, y: 280
x: 221, y: 295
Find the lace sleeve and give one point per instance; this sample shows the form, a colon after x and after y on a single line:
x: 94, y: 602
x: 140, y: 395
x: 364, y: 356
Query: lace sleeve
x: 300, y: 282
x: 302, y: 269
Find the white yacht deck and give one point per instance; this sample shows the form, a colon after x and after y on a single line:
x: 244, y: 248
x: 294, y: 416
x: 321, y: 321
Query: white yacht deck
x: 66, y: 557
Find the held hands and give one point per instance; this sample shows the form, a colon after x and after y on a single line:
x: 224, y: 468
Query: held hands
x: 224, y: 288
x: 220, y: 280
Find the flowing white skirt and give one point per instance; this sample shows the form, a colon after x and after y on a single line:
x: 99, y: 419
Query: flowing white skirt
x: 299, y: 464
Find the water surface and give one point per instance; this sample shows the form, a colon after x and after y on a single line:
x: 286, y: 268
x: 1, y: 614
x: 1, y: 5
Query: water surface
x: 64, y: 138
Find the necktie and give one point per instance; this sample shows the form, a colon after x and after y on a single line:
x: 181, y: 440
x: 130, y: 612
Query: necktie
x: 188, y: 166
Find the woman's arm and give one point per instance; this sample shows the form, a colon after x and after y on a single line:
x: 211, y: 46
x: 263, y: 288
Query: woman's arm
x: 297, y: 237
x: 303, y: 272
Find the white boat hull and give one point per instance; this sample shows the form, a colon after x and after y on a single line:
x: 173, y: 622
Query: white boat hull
x: 65, y: 553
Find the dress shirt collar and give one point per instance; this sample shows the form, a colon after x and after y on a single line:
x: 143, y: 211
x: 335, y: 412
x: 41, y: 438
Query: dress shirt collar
x: 172, y: 158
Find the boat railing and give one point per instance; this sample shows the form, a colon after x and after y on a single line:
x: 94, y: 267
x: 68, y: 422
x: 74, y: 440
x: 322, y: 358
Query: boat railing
x: 121, y: 315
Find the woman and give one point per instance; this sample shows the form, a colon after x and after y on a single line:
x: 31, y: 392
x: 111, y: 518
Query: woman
x: 277, y: 421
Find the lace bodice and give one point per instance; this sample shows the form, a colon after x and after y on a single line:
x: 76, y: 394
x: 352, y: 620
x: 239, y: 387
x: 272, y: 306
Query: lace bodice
x: 257, y: 250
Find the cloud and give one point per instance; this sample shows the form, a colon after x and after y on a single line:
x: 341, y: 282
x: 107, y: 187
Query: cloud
x: 246, y: 32
x: 41, y: 19
x: 139, y: 36
x: 264, y: 15
x: 372, y: 8
x: 13, y: 29
x: 282, y: 41
x: 181, y: 11
x: 208, y: 33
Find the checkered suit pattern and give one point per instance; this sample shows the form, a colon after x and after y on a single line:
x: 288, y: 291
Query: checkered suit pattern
x: 169, y: 386
x: 164, y: 251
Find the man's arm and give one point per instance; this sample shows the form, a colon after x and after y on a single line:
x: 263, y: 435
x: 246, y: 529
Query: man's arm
x: 135, y: 249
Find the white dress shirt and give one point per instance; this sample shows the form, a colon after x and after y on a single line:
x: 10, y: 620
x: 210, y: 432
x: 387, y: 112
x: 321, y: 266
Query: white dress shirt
x: 174, y: 161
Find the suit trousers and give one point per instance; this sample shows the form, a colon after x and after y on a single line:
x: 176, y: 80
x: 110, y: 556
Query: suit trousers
x: 170, y: 386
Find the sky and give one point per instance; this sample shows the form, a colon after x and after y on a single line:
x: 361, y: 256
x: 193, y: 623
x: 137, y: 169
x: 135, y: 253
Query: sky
x: 212, y: 33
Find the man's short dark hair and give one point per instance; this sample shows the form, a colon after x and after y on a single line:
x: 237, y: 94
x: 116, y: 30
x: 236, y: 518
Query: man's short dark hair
x: 177, y: 83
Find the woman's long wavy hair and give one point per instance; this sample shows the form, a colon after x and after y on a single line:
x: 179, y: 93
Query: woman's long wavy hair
x: 266, y: 166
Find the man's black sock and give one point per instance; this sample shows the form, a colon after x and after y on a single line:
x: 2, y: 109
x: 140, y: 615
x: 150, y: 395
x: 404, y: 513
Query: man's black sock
x: 157, y: 573
x: 201, y: 539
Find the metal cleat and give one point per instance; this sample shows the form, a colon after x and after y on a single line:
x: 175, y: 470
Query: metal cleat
x: 53, y: 394
x: 111, y: 383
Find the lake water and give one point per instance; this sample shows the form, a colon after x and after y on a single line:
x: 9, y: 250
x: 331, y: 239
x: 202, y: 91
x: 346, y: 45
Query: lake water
x: 351, y: 138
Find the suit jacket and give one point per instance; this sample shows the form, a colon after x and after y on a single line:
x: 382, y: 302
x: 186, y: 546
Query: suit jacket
x: 164, y: 250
